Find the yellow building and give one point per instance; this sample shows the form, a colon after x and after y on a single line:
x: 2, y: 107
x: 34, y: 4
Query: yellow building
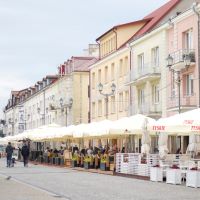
x: 113, y: 67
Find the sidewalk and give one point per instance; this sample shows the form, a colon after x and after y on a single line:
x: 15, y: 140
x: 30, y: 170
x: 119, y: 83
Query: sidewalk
x: 13, y: 190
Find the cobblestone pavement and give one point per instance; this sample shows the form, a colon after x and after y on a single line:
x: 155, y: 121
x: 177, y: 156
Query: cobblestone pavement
x: 70, y: 184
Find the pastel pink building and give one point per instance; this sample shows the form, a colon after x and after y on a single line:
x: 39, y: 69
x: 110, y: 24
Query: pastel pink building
x: 183, y: 63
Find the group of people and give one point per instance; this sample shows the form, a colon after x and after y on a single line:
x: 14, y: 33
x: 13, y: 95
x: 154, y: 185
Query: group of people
x: 54, y: 152
x: 95, y: 150
x: 24, y: 152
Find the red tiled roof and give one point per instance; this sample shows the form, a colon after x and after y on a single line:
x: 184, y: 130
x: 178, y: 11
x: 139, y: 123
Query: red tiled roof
x: 83, y: 63
x: 157, y: 15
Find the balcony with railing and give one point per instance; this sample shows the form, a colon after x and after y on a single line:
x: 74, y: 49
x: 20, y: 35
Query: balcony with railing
x: 182, y: 58
x: 152, y: 110
x: 186, y: 102
x: 148, y: 71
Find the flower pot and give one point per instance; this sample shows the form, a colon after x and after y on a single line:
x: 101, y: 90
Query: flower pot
x: 193, y: 178
x: 74, y: 163
x: 103, y: 166
x: 173, y: 176
x: 156, y: 174
x: 86, y: 165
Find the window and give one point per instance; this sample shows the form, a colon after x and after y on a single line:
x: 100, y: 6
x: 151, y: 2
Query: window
x: 188, y: 39
x: 125, y: 66
x: 141, y: 62
x: 93, y: 80
x: 141, y: 99
x: 100, y: 108
x: 99, y: 76
x: 155, y: 57
x: 113, y: 104
x: 126, y: 103
x: 155, y: 94
x: 121, y: 101
x: 112, y: 71
x: 106, y: 74
x: 189, y: 85
x: 93, y: 110
x: 120, y: 67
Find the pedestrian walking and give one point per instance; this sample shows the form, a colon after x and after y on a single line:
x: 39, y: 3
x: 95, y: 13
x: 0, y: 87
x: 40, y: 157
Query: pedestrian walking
x: 25, y: 154
x: 9, y: 152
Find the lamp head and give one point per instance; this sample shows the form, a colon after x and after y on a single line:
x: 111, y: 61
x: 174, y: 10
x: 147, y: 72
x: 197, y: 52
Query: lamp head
x: 38, y: 110
x: 61, y: 102
x: 100, y: 86
x: 113, y: 87
x: 169, y: 61
x: 187, y: 60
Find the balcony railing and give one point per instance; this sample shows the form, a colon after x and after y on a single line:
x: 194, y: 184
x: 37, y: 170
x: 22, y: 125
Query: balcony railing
x: 180, y: 56
x: 149, y: 69
x: 185, y: 101
x: 146, y: 109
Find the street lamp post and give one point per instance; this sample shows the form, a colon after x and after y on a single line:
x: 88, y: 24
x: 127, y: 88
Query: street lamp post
x: 42, y: 114
x: 113, y: 88
x: 170, y: 62
x: 25, y: 121
x: 12, y: 124
x: 68, y: 105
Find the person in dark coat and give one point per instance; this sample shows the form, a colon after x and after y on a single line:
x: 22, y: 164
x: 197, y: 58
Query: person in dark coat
x: 25, y: 154
x: 9, y: 152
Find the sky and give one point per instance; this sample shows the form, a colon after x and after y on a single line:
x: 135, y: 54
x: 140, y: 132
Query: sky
x: 38, y: 35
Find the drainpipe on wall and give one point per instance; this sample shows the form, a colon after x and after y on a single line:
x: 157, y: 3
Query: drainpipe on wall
x: 194, y: 8
x: 99, y: 50
x: 130, y: 88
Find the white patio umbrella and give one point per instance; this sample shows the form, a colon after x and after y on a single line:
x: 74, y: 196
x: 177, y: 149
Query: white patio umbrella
x: 79, y: 130
x: 145, y: 149
x: 98, y: 129
x: 3, y: 141
x: 185, y: 123
x: 162, y: 144
x: 192, y: 144
x: 130, y: 125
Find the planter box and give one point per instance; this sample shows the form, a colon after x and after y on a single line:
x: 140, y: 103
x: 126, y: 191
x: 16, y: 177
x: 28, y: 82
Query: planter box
x: 86, y: 165
x: 193, y: 178
x: 67, y: 162
x: 62, y: 161
x: 173, y: 176
x: 74, y: 163
x: 156, y: 174
x: 57, y: 161
x: 112, y: 167
x: 103, y: 166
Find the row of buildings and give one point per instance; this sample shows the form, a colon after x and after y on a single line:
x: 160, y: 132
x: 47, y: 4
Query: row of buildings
x: 150, y: 66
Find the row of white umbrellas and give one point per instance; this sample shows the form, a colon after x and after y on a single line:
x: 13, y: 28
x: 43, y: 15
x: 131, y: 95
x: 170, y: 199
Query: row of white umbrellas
x: 105, y: 128
x: 187, y: 123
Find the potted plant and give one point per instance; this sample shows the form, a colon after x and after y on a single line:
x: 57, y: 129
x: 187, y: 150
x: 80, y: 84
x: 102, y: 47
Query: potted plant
x: 193, y: 177
x: 87, y: 162
x: 156, y: 173
x: 103, y: 163
x: 74, y: 161
x: 173, y: 175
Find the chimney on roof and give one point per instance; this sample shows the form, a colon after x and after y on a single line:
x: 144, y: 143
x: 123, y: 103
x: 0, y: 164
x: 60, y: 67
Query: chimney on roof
x: 92, y: 51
